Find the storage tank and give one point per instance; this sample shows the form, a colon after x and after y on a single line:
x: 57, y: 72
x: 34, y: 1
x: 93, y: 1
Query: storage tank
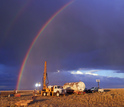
x: 74, y: 86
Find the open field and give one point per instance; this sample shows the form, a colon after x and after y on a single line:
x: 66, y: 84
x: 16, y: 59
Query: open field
x: 111, y: 97
x: 6, y: 93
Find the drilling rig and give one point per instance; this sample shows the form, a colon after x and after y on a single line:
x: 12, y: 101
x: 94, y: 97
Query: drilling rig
x: 44, y: 78
x: 50, y: 90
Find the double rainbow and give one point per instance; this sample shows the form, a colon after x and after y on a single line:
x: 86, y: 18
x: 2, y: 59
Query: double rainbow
x: 35, y: 39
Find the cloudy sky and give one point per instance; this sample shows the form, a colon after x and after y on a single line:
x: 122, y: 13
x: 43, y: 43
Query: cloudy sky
x: 83, y: 42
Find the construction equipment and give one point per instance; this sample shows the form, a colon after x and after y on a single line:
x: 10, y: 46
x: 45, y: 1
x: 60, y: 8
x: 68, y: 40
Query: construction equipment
x: 50, y: 90
x: 44, y: 78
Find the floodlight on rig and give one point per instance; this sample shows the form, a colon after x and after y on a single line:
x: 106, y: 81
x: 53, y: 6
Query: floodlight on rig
x: 38, y: 85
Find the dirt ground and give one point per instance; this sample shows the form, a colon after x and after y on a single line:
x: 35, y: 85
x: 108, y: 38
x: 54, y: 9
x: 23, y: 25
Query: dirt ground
x: 111, y: 97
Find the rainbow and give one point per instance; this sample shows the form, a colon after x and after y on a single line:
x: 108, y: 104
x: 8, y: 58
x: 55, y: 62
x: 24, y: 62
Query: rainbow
x: 19, y: 13
x: 14, y: 20
x: 35, y: 39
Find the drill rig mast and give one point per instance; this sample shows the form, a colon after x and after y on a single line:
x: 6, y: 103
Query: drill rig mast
x: 45, y: 76
x: 50, y: 91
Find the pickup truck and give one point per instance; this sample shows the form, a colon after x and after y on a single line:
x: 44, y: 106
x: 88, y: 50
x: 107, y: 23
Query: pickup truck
x: 101, y: 90
x: 95, y: 89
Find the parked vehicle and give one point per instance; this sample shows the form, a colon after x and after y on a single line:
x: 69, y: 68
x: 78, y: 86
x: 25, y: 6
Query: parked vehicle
x: 86, y: 90
x: 50, y: 90
x: 92, y: 90
x: 101, y: 90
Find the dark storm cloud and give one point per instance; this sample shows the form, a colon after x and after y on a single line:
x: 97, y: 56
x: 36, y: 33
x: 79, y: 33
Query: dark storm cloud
x: 105, y: 82
x: 87, y: 34
x: 20, y: 22
x: 60, y: 78
x: 8, y: 76
x: 84, y: 35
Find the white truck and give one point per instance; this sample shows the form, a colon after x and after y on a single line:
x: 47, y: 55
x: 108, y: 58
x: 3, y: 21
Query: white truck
x: 58, y: 90
x: 54, y: 91
x: 50, y: 90
x: 101, y: 90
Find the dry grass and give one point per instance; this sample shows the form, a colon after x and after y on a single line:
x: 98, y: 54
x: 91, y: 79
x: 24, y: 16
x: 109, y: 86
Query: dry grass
x: 112, y: 97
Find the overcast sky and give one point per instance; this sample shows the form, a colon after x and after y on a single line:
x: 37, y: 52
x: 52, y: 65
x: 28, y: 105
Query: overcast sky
x: 84, y: 42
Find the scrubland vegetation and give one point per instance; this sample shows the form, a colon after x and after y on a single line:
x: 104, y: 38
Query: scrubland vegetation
x: 111, y: 97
